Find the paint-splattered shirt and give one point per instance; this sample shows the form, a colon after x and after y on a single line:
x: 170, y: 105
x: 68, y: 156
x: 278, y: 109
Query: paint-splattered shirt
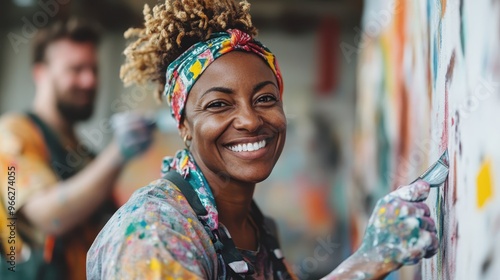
x: 157, y: 235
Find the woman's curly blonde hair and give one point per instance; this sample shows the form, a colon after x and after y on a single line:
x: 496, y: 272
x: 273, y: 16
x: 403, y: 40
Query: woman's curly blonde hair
x: 173, y: 27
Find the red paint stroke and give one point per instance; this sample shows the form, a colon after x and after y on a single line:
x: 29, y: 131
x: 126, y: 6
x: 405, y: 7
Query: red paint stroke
x: 449, y: 225
x: 400, y: 20
x: 429, y: 77
x: 455, y: 236
x: 329, y: 36
x: 403, y: 148
x: 450, y: 268
x: 457, y: 133
x: 454, y: 197
x: 402, y: 96
x: 444, y: 135
x: 451, y: 68
x: 449, y: 78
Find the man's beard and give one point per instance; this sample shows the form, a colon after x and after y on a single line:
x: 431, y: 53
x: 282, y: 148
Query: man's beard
x: 72, y: 112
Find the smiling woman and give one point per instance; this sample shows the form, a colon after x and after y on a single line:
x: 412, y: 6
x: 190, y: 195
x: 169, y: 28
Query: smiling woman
x: 235, y: 118
x: 225, y: 91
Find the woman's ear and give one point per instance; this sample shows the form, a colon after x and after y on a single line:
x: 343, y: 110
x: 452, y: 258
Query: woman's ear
x: 184, y: 129
x: 185, y: 133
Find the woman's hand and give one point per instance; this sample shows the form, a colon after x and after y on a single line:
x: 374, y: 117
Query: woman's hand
x: 399, y: 232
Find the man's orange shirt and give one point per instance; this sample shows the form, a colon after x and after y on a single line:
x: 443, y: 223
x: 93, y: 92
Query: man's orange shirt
x: 22, y: 145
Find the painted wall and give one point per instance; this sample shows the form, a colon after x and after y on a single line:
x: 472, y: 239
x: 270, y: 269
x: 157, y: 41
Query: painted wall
x: 429, y: 80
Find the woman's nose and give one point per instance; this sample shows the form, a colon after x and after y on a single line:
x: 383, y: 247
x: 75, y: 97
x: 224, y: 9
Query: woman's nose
x: 247, y: 118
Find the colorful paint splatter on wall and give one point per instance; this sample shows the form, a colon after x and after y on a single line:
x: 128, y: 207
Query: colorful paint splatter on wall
x: 420, y: 92
x: 484, y: 185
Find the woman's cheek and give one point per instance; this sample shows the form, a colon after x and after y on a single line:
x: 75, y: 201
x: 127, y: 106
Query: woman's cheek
x: 278, y: 120
x: 209, y: 128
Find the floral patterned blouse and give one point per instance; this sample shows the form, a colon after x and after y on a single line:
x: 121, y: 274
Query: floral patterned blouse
x: 157, y: 235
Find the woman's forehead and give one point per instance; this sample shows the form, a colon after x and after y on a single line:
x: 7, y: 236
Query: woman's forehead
x: 236, y: 69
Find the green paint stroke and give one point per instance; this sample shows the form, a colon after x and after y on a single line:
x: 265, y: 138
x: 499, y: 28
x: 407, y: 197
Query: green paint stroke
x: 462, y: 27
x: 130, y: 229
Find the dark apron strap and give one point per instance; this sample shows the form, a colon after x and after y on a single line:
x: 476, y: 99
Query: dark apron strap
x: 231, y: 262
x: 57, y: 152
x: 187, y: 191
x: 271, y: 243
x: 54, y: 247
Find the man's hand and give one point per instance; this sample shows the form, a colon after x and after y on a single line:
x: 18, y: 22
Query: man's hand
x: 68, y: 203
x: 133, y: 133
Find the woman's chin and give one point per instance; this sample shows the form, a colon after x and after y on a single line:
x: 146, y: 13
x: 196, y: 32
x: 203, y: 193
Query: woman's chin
x: 252, y: 177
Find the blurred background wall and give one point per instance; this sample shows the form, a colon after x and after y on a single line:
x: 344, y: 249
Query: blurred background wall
x: 357, y: 127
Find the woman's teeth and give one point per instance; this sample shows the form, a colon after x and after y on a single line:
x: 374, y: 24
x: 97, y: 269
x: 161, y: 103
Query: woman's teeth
x: 250, y: 147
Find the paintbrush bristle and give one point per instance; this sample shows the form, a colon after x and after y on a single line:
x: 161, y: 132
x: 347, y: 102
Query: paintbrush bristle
x: 438, y: 172
x: 444, y: 158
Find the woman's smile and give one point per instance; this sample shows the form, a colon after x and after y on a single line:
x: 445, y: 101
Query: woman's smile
x: 250, y: 148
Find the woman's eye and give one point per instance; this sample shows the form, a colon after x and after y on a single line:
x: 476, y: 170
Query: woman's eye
x: 217, y: 104
x: 267, y: 98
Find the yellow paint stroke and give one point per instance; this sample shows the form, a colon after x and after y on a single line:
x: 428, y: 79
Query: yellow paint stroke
x: 155, y: 265
x: 484, y: 184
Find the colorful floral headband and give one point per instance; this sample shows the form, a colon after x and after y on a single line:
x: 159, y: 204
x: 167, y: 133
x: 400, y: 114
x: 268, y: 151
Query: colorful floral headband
x: 186, y: 69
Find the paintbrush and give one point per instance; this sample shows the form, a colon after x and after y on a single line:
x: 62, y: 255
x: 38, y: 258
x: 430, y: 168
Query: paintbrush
x: 437, y: 173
